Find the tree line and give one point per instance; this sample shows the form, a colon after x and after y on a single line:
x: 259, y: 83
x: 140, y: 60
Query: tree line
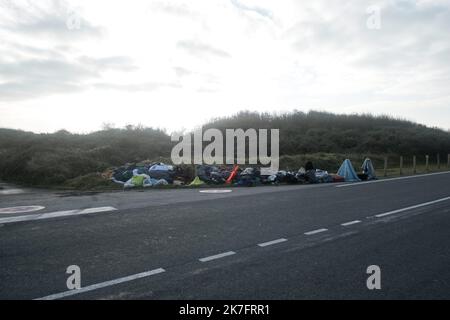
x: 53, y: 159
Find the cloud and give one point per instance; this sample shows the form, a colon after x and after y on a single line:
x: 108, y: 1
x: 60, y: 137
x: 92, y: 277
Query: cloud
x: 411, y: 33
x: 51, y: 19
x: 31, y: 78
x: 181, y: 72
x: 136, y: 87
x: 38, y: 56
x: 29, y: 89
x: 34, y: 77
x: 122, y: 63
x: 179, y: 10
x: 409, y: 51
x: 219, y: 55
x: 200, y: 49
x: 265, y: 13
x: 16, y: 50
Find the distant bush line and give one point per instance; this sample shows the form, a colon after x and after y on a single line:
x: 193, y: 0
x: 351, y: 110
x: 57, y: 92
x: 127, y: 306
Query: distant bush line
x: 324, y: 138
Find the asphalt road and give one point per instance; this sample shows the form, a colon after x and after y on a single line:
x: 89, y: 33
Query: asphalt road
x: 183, y: 244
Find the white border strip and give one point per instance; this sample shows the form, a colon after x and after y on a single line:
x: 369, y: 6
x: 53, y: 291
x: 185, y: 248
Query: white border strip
x: 412, y: 207
x: 390, y: 179
x: 269, y: 243
x: 102, y: 284
x: 49, y: 215
x: 217, y: 256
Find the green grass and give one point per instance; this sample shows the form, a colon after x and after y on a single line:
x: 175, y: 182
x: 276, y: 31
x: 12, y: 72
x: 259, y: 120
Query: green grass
x: 408, y: 171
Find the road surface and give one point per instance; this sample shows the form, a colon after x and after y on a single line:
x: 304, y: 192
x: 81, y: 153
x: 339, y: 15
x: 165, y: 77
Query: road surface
x: 286, y: 242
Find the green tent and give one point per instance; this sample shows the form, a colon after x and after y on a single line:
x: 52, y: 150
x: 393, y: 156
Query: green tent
x: 196, y: 182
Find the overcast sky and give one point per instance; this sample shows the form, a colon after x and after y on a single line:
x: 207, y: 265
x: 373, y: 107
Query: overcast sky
x: 176, y: 64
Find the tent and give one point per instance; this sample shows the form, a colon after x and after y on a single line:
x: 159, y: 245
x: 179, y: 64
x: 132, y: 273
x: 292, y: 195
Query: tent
x: 348, y: 172
x: 196, y: 182
x: 367, y: 168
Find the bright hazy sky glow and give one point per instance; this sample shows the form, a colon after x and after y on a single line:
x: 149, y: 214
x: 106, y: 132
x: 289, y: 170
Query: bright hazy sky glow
x: 175, y: 64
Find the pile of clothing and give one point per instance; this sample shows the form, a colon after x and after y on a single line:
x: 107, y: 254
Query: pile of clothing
x: 156, y: 174
x: 123, y: 173
x: 161, y: 171
x: 284, y: 176
x: 306, y: 174
x: 210, y: 174
x: 248, y: 177
x: 252, y: 176
x: 159, y: 174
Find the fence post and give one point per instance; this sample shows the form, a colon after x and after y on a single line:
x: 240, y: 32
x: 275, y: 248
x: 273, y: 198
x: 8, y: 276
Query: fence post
x: 438, y: 160
x: 448, y: 161
x: 426, y: 163
x: 401, y: 165
x: 414, y: 165
x: 386, y: 163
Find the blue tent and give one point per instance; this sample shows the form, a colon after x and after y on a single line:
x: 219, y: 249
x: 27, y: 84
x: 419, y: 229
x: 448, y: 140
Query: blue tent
x: 348, y: 172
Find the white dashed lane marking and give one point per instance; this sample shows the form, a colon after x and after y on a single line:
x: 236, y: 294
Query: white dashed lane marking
x: 216, y: 191
x: 102, y: 284
x: 217, y: 256
x: 205, y: 259
x: 315, y: 231
x: 345, y: 224
x: 269, y: 243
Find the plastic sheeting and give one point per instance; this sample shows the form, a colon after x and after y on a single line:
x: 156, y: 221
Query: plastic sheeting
x: 160, y: 167
x: 348, y: 172
x: 161, y: 171
x: 367, y: 168
x: 150, y: 182
x: 196, y: 182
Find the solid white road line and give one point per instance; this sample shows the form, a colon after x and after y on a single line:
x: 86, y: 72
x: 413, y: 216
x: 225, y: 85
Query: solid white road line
x: 390, y: 179
x: 315, y: 231
x: 55, y: 214
x: 350, y: 223
x: 269, y: 243
x: 412, y: 207
x: 217, y: 256
x: 102, y: 284
x: 21, y: 209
